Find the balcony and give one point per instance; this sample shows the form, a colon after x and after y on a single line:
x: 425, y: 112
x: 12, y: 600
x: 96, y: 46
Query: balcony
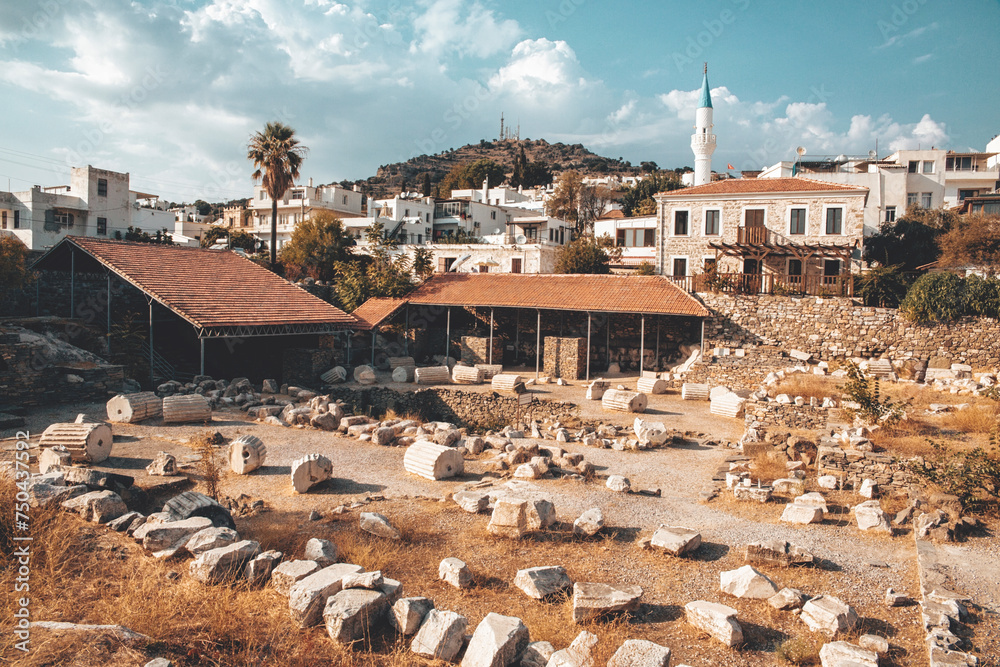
x: 768, y: 283
x: 753, y: 235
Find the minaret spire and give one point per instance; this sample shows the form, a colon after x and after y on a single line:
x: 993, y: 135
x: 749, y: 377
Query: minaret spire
x: 703, y: 141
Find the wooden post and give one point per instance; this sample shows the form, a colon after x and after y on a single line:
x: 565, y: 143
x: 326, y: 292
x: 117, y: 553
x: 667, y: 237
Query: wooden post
x: 703, y: 338
x: 642, y: 343
x: 202, y: 356
x: 447, y: 337
x: 406, y: 333
x: 538, y: 342
x: 491, y: 336
x: 588, y: 346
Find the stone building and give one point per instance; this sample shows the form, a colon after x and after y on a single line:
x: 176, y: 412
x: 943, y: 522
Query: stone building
x: 762, y: 235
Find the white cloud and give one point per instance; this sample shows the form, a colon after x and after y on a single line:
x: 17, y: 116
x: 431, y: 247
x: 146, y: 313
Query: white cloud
x: 449, y: 26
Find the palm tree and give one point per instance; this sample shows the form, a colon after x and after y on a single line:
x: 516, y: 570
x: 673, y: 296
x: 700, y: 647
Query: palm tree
x: 277, y: 156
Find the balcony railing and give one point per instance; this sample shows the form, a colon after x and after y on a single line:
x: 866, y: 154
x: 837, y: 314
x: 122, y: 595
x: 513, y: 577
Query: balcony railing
x: 768, y: 283
x: 753, y: 235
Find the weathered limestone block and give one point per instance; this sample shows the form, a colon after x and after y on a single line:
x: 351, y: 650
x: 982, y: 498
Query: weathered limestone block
x: 97, y: 506
x: 497, y: 642
x: 467, y: 375
x: 286, y: 574
x: 207, y: 539
x: 777, y: 553
x: 307, y: 597
x: 589, y: 523
x: 134, y: 408
x: 166, y: 538
x: 309, y: 471
x: 716, y: 619
x: 186, y: 408
x: 378, y: 525
x: 828, y: 615
x: 537, y: 654
x: 224, y: 563
x: 164, y: 465
x: 578, y: 654
x: 54, y: 458
x: 676, y: 540
x: 843, y: 654
x: 88, y: 443
x: 455, y: 573
x: 804, y: 514
x: 433, y: 461
x: 322, y: 552
x: 870, y: 516
x: 620, y: 400
x: 746, y: 582
x: 432, y: 375
x: 693, y: 391
x: 408, y: 614
x: 472, y: 501
x: 246, y: 454
x: 505, y: 381
x: 350, y: 614
x: 640, y: 653
x: 541, y: 582
x: 787, y: 599
x: 441, y: 636
x: 592, y: 600
x: 372, y: 581
x: 258, y: 571
x: 509, y: 518
x: 649, y: 433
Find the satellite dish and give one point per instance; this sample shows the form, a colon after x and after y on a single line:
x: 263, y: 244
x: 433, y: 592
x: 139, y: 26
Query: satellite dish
x: 841, y: 158
x: 520, y: 238
x: 496, y: 231
x: 454, y: 267
x: 801, y: 150
x: 872, y: 155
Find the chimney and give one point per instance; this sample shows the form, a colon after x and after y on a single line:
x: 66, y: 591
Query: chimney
x: 486, y: 190
x: 310, y: 181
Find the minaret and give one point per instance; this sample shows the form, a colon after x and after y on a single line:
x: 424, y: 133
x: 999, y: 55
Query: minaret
x: 703, y: 141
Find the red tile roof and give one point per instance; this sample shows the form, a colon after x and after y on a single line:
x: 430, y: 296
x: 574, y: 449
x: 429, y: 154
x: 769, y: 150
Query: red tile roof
x: 734, y: 186
x: 211, y: 289
x: 651, y: 295
x: 375, y: 311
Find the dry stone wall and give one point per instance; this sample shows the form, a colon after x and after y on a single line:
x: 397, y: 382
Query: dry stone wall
x: 835, y: 327
x: 476, y: 350
x: 773, y: 415
x: 854, y: 466
x: 565, y: 357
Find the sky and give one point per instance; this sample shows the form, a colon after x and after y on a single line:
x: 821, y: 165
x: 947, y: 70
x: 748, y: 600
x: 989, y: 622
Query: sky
x: 171, y: 90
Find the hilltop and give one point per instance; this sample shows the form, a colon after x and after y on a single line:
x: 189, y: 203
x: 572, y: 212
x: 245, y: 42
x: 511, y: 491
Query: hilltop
x: 559, y: 157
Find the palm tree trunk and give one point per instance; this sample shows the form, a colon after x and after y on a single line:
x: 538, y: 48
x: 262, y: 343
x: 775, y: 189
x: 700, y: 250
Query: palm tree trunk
x: 274, y: 232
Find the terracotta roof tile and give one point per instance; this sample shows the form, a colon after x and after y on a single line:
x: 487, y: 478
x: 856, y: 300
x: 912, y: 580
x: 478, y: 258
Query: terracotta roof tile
x: 652, y: 295
x: 375, y: 311
x: 732, y: 186
x: 212, y: 288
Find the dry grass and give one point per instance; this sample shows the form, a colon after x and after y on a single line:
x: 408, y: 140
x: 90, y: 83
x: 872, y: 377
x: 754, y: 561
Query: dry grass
x: 807, y: 386
x: 979, y: 419
x: 767, y: 467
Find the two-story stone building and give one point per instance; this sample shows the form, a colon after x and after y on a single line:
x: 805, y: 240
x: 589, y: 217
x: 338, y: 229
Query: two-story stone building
x: 786, y: 235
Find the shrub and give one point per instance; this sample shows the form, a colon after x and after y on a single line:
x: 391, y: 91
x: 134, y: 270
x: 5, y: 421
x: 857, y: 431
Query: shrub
x: 982, y: 297
x: 935, y: 297
x: 884, y: 286
x: 799, y: 651
x: 973, y: 476
x: 866, y: 392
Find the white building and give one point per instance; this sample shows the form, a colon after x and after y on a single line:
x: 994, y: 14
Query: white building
x: 703, y: 141
x: 297, y: 204
x: 97, y: 202
x: 635, y: 236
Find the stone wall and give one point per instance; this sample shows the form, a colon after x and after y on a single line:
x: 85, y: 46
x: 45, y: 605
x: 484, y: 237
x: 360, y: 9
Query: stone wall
x: 736, y: 372
x: 300, y: 366
x: 837, y: 328
x: 854, y: 466
x: 476, y: 350
x: 481, y: 410
x: 780, y: 415
x: 565, y: 357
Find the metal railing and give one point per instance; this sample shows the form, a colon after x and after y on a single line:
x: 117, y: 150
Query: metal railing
x: 768, y: 283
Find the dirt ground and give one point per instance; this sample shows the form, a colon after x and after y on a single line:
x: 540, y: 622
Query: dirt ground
x: 856, y: 567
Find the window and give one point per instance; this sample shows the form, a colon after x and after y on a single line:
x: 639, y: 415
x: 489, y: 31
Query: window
x: 911, y: 198
x: 709, y: 264
x: 962, y: 194
x: 444, y: 263
x: 102, y: 187
x: 298, y: 194
x: 263, y: 195
x: 958, y: 164
x: 834, y: 221
x: 680, y: 223
x: 64, y: 219
x: 102, y: 226
x: 831, y: 268
x: 797, y: 221
x: 636, y: 238
x: 420, y: 238
x: 17, y: 219
x: 795, y: 267
x: 890, y: 214
x: 712, y: 222
x: 925, y: 199
x: 484, y: 268
x: 345, y: 200
x: 515, y: 265
x: 913, y: 166
x: 493, y: 215
x: 928, y: 167
x: 754, y: 217
x: 650, y: 239
x: 406, y: 213
x: 427, y: 218
x: 680, y: 266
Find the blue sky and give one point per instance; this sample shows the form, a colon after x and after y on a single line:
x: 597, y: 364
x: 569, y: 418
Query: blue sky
x: 170, y: 90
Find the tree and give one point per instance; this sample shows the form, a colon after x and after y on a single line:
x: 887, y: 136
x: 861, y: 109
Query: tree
x: 423, y: 263
x: 645, y: 268
x: 13, y: 263
x: 588, y: 255
x: 565, y: 201
x: 593, y: 200
x: 471, y: 175
x: 910, y: 241
x: 202, y: 206
x: 276, y: 155
x: 528, y: 174
x: 638, y: 199
x: 318, y: 245
x: 884, y: 286
x: 425, y: 189
x: 373, y: 275
x: 136, y: 234
x: 237, y: 238
x: 971, y: 241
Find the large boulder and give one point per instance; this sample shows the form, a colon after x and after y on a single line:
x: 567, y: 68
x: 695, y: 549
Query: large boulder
x: 716, y: 619
x: 676, y: 540
x: 378, y: 525
x: 308, y: 596
x: 97, y: 506
x: 441, y: 636
x: 828, y: 615
x: 455, y: 572
x: 408, y: 614
x: 224, y: 563
x: 803, y: 514
x: 746, y: 582
x: 542, y: 582
x: 592, y: 600
x: 211, y: 538
x: 589, y: 523
x: 640, y: 653
x: 537, y: 654
x: 497, y: 642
